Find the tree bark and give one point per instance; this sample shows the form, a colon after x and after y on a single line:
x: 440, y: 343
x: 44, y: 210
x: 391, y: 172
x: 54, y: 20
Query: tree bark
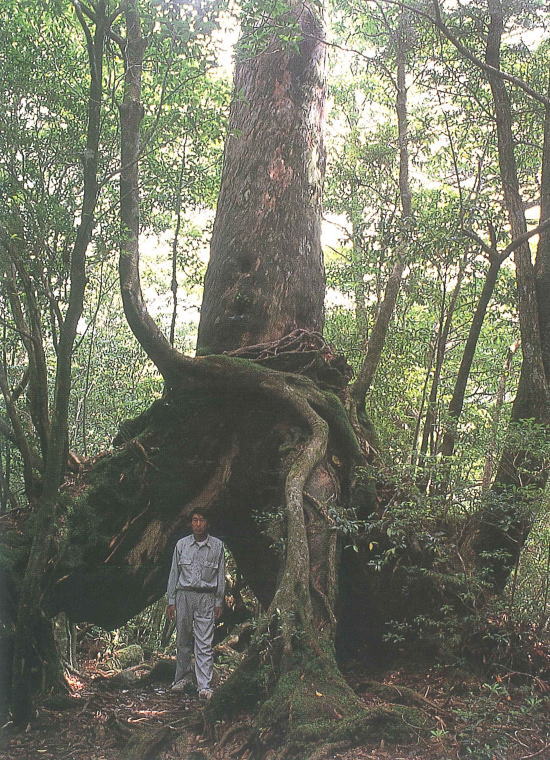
x: 427, y: 442
x: 265, y: 277
x: 542, y: 262
x: 234, y: 436
x: 537, y: 390
x: 30, y: 329
x: 496, y: 420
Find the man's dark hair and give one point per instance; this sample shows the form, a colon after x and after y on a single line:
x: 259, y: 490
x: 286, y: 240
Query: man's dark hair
x: 201, y: 513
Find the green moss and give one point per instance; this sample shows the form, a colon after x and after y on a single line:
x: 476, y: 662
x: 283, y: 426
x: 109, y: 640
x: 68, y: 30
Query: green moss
x: 313, y: 691
x: 392, y: 723
x: 309, y: 710
x: 241, y: 691
x: 128, y: 656
x: 312, y: 704
x: 341, y: 426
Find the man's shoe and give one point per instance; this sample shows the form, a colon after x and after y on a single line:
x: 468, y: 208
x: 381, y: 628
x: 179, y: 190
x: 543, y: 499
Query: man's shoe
x: 205, y: 694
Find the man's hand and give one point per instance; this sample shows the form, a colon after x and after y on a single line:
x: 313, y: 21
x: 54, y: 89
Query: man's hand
x: 217, y: 613
x: 171, y: 611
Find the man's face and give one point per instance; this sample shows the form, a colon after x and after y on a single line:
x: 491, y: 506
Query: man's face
x: 199, y: 526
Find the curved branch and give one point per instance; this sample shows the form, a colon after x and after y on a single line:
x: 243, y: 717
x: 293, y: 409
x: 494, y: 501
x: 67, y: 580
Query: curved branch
x: 141, y: 323
x: 18, y: 435
x: 438, y: 22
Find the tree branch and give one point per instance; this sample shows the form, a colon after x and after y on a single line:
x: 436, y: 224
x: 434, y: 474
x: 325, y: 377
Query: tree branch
x: 438, y: 22
x: 150, y: 337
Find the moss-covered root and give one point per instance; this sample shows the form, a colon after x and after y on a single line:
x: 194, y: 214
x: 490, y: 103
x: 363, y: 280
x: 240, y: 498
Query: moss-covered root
x: 307, y: 711
x: 146, y: 744
x: 309, y: 708
x: 392, y: 723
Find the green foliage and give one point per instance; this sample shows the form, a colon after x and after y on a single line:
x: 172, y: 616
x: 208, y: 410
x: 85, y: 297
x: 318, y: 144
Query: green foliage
x: 485, y: 727
x: 263, y: 26
x: 416, y: 542
x: 44, y: 82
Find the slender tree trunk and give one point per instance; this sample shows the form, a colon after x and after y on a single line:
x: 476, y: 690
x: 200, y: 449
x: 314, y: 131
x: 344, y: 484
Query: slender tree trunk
x: 430, y: 357
x: 537, y: 390
x: 34, y: 647
x: 504, y: 522
x: 377, y: 337
x: 496, y: 422
x: 33, y: 339
x: 457, y: 399
x: 20, y: 438
x: 427, y: 441
x: 542, y: 263
x: 7, y: 497
x: 428, y: 434
x: 361, y: 316
x: 175, y: 242
x: 150, y: 337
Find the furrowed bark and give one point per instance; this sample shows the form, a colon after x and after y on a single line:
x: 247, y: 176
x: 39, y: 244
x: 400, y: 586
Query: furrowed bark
x: 265, y: 245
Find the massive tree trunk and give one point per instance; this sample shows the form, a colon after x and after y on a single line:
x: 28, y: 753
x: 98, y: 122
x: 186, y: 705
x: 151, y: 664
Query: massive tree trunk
x: 266, y: 277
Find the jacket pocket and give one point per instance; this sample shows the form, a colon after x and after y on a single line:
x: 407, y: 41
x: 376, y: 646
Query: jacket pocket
x: 186, y: 571
x: 209, y: 572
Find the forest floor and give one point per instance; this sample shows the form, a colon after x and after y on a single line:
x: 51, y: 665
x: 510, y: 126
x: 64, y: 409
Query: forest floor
x: 505, y: 719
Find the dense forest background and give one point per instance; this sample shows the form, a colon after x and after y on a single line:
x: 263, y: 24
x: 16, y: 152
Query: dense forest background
x: 436, y: 245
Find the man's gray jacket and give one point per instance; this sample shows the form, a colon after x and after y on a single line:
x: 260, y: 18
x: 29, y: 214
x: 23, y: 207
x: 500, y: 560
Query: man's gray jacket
x: 198, y: 567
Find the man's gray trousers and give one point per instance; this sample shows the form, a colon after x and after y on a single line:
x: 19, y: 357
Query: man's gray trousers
x: 194, y: 618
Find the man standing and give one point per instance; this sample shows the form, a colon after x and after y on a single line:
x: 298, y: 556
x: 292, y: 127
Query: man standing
x: 195, y: 598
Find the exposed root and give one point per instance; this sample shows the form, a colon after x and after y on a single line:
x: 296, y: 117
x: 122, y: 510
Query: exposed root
x: 310, y: 710
x: 401, y: 695
x: 295, y: 579
x: 301, y: 351
x: 146, y: 745
x: 232, y: 731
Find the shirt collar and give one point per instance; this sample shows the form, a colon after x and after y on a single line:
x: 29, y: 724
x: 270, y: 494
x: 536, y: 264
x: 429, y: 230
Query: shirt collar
x: 206, y: 540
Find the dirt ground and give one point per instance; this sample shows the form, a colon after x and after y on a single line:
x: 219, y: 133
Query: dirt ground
x: 506, y: 719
